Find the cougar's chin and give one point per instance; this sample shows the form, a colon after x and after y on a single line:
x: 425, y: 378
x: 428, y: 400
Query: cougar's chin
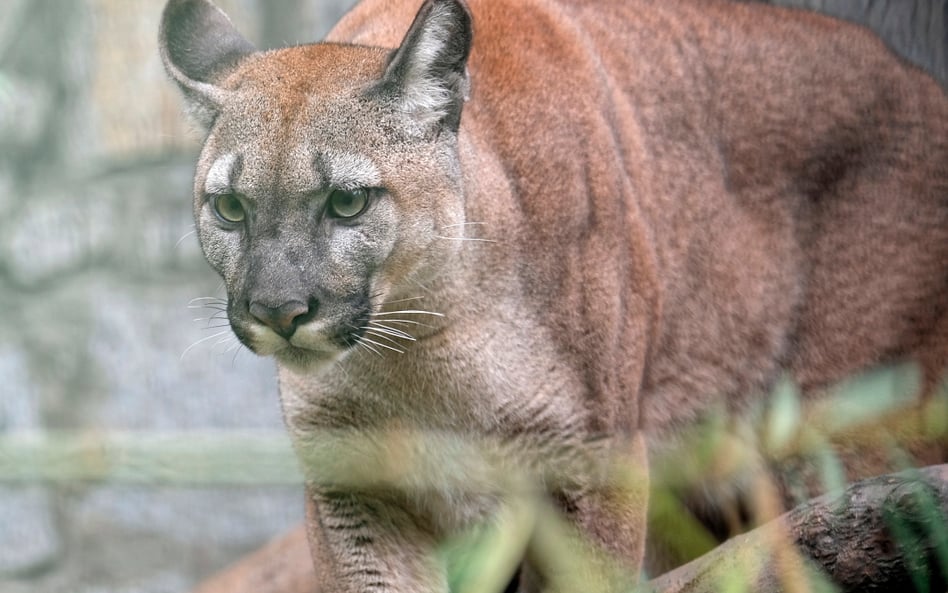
x: 306, y: 361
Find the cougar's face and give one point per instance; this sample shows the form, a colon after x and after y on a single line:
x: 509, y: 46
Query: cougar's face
x: 318, y: 205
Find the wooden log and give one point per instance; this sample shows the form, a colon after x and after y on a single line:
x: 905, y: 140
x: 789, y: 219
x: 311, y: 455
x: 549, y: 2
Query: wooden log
x: 882, y: 534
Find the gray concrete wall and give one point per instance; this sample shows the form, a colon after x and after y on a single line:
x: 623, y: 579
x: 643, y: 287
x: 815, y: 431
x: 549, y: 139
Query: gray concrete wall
x: 97, y: 269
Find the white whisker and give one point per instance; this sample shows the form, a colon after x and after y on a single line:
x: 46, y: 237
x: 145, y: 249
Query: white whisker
x: 201, y: 341
x: 342, y: 368
x: 419, y: 284
x: 362, y: 344
x: 401, y: 322
x: 380, y: 345
x: 407, y: 312
x: 237, y: 351
x: 391, y: 331
x: 181, y: 240
x: 471, y: 239
x: 381, y: 337
x: 460, y: 224
x: 369, y: 332
x: 209, y: 303
x: 215, y: 317
x: 417, y: 298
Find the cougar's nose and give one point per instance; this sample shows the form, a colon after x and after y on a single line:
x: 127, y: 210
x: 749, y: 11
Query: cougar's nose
x: 284, y: 319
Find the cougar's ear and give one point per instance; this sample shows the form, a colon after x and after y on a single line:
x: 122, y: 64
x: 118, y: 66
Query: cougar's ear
x: 427, y: 75
x: 198, y: 45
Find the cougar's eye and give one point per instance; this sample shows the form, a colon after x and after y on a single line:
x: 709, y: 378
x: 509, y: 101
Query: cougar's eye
x: 348, y: 204
x: 228, y: 208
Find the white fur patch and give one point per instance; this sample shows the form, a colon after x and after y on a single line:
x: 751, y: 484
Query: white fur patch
x: 350, y: 171
x: 220, y: 176
x: 265, y: 341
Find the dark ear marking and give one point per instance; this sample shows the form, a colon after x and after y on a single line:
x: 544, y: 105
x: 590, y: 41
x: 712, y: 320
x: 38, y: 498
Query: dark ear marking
x: 198, y: 45
x: 427, y: 75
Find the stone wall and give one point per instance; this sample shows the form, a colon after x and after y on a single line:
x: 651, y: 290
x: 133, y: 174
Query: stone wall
x: 97, y: 269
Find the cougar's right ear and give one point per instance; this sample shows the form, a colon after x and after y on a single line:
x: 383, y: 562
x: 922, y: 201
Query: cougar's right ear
x: 198, y: 45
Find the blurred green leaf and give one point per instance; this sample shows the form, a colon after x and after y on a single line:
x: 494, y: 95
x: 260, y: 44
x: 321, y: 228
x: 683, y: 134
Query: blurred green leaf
x: 484, y: 559
x: 784, y: 416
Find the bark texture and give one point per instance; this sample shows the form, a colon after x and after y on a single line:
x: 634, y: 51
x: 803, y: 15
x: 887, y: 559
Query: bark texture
x: 883, y: 534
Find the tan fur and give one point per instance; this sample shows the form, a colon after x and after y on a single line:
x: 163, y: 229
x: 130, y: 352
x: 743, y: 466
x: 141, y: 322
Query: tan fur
x: 682, y: 199
x: 282, y: 566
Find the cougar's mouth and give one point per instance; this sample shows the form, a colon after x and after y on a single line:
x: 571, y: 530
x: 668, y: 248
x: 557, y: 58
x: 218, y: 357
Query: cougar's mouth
x: 329, y: 337
x: 314, y: 337
x: 350, y: 325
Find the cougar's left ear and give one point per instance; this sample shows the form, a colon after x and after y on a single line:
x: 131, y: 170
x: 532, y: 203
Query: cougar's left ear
x: 198, y: 45
x: 427, y: 75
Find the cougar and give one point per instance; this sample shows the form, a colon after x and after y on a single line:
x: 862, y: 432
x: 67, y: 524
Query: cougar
x: 497, y: 238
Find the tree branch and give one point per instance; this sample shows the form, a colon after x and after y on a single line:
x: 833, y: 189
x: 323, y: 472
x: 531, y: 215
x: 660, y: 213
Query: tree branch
x: 882, y: 534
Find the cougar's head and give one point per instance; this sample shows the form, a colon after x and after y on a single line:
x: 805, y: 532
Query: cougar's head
x: 328, y: 172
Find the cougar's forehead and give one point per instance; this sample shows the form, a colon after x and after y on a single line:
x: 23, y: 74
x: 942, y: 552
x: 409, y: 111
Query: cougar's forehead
x: 296, y: 115
x: 292, y: 75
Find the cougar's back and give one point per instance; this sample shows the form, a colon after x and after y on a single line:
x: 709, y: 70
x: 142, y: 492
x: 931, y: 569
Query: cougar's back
x: 777, y: 203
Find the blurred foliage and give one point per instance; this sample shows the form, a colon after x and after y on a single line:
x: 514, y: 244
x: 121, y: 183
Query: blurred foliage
x: 872, y: 410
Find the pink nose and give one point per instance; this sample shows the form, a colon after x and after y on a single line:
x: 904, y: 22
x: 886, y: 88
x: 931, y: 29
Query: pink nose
x: 283, y: 319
